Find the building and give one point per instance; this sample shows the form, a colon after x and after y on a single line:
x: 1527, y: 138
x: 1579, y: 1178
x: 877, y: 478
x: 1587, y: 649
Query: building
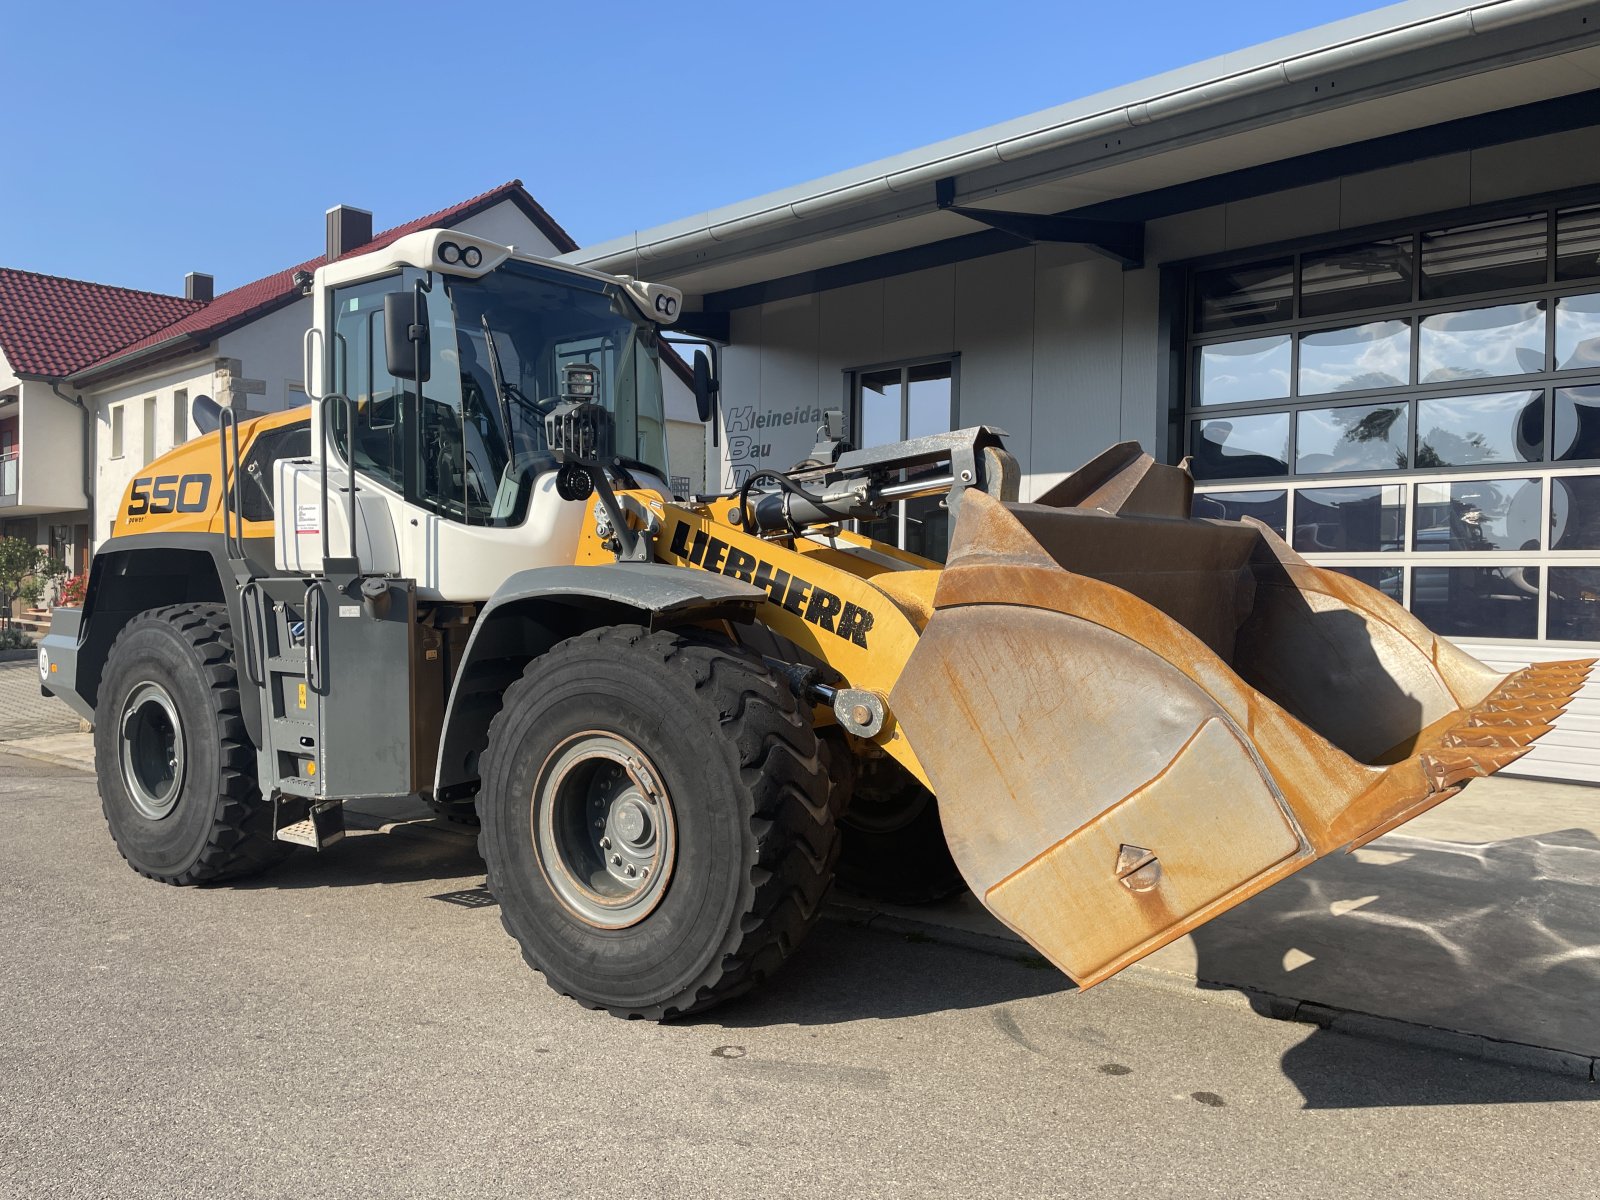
x: 1352, y: 275
x: 49, y: 328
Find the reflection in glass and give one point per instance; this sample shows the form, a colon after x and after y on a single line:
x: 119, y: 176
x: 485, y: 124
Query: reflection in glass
x: 1478, y: 514
x: 1479, y: 343
x: 880, y: 408
x: 1270, y: 508
x: 1238, y: 372
x: 1484, y: 258
x: 1386, y: 579
x: 1240, y: 447
x: 1360, y: 438
x: 1574, y: 604
x: 1351, y: 520
x: 1578, y: 332
x: 1459, y: 431
x: 1477, y: 602
x: 1578, y: 243
x: 928, y: 400
x: 1575, y: 512
x: 1237, y: 297
x: 1374, y: 355
x: 1374, y: 275
x: 1577, y: 423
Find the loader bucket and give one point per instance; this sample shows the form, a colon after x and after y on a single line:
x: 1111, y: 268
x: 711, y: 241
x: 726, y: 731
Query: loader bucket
x: 1134, y: 720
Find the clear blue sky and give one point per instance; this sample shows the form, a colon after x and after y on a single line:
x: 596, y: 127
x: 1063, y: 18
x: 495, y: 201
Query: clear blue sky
x: 141, y: 141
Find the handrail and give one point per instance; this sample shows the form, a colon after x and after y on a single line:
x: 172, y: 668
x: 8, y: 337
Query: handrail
x: 232, y: 517
x: 336, y: 400
x: 316, y: 630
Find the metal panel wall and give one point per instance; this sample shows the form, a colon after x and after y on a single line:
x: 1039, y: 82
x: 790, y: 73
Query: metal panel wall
x: 994, y: 332
x: 1077, y: 363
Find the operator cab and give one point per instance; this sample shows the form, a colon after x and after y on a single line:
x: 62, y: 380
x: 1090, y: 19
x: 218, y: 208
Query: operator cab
x: 459, y: 359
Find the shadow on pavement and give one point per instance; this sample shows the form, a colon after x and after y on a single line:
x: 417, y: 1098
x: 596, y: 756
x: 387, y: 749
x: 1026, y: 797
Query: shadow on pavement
x: 845, y: 972
x: 367, y: 857
x: 1329, y: 1076
x: 1500, y: 939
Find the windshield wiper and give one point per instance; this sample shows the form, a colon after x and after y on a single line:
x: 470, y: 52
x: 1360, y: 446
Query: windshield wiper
x: 499, y: 387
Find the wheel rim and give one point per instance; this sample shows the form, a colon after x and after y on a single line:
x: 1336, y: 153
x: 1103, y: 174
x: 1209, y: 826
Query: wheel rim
x: 153, y: 751
x: 603, y: 829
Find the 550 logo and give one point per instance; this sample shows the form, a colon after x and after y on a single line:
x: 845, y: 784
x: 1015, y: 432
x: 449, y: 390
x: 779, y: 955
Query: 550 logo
x: 154, y: 495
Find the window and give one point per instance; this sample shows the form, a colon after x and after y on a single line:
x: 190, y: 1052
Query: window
x: 116, y: 431
x: 180, y: 416
x: 1420, y: 411
x: 498, y: 345
x: 149, y: 430
x: 894, y: 404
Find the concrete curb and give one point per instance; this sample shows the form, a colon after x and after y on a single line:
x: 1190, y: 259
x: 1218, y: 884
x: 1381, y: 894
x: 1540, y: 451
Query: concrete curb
x: 59, y: 760
x: 1281, y: 1008
x: 18, y: 655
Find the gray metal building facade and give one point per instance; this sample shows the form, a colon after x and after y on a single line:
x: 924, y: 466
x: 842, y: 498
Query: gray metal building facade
x: 1353, y: 276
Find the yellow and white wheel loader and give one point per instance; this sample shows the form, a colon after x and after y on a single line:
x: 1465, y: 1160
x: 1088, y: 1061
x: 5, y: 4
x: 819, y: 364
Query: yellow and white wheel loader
x: 460, y: 574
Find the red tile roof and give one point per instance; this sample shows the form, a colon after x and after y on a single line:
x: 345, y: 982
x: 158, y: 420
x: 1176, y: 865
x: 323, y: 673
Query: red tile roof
x: 243, y: 304
x: 50, y: 326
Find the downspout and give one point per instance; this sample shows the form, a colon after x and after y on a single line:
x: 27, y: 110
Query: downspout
x: 86, y: 471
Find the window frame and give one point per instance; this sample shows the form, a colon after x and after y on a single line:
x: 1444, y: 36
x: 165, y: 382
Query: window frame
x: 1545, y: 383
x: 853, y: 409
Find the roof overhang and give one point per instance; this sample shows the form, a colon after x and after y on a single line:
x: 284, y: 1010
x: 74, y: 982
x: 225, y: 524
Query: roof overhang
x: 1410, y: 65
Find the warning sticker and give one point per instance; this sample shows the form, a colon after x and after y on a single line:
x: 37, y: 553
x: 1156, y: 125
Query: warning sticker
x: 301, y: 694
x: 307, y: 518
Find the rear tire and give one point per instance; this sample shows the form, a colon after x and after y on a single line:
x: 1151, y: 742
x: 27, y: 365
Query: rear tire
x: 893, y: 844
x: 177, y: 773
x: 720, y: 837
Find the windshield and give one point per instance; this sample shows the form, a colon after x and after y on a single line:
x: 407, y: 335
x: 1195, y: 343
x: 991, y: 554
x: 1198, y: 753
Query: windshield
x: 498, y: 347
x: 514, y: 330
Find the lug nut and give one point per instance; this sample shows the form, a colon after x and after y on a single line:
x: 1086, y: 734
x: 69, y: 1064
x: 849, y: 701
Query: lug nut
x: 616, y: 860
x: 605, y: 843
x: 631, y: 872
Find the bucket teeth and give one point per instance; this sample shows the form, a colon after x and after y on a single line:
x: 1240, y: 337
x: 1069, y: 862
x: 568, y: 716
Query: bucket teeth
x: 1516, y: 718
x: 1495, y: 736
x: 1449, y: 766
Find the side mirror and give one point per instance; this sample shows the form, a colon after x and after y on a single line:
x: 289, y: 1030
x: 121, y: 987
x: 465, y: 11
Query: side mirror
x: 207, y: 414
x: 405, y: 336
x: 705, y: 386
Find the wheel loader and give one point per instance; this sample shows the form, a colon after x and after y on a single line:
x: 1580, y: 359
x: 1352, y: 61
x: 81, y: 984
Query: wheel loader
x: 460, y: 574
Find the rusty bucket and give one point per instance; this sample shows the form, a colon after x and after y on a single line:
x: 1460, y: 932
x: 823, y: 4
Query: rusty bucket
x: 1134, y: 720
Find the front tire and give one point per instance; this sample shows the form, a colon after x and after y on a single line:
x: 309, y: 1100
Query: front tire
x: 176, y: 771
x: 656, y: 820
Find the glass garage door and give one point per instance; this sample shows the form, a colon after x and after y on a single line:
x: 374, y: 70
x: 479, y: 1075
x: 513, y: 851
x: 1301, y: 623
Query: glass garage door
x: 1420, y: 411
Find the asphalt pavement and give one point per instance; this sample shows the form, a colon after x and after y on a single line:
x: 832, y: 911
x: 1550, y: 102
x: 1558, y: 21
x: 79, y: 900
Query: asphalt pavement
x: 357, y: 1024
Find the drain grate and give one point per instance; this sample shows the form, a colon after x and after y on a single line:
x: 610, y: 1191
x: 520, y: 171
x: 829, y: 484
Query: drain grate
x: 477, y: 897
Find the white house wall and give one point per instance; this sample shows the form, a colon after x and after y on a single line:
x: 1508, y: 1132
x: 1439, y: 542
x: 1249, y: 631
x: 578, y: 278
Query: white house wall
x: 112, y: 474
x: 509, y: 225
x: 270, y: 352
x: 51, y: 436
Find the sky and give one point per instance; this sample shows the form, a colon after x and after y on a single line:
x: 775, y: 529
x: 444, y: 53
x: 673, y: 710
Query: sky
x: 141, y: 141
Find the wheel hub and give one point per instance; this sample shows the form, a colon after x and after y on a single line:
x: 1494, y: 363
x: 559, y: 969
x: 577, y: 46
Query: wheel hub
x: 153, y: 753
x: 603, y: 830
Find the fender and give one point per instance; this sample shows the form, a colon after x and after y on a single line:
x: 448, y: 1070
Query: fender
x: 129, y: 574
x: 534, y: 609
